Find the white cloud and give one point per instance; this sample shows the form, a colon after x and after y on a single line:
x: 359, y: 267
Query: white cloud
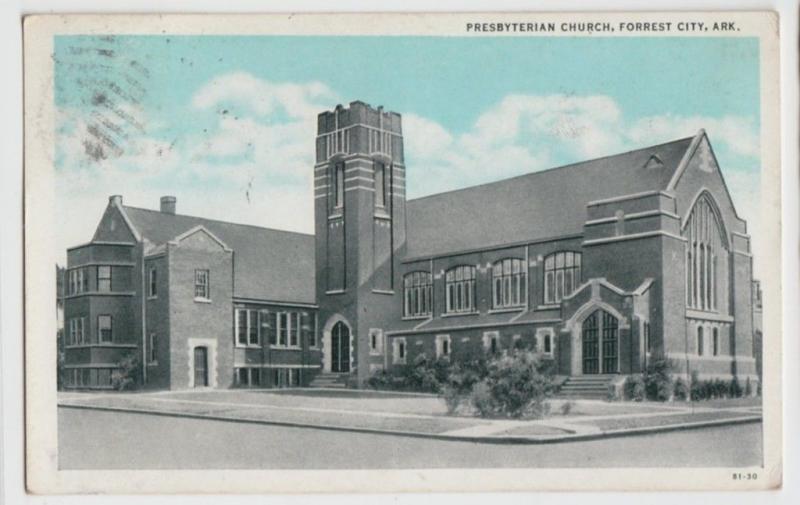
x: 737, y: 133
x: 264, y: 97
x: 525, y: 133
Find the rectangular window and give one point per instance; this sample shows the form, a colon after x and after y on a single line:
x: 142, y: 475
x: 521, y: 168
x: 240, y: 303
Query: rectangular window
x: 80, y: 331
x: 647, y: 342
x: 375, y: 341
x: 152, y: 290
x: 201, y: 285
x: 491, y: 341
x: 380, y: 184
x: 252, y: 327
x: 151, y: 349
x: 272, y: 323
x: 104, y: 328
x: 399, y: 354
x: 294, y: 329
x: 337, y: 187
x: 308, y: 329
x: 715, y: 337
x: 104, y: 278
x: 283, y: 329
x: 255, y: 377
x: 443, y: 346
x: 241, y: 326
x: 700, y: 341
x: 83, y: 276
x: 242, y: 377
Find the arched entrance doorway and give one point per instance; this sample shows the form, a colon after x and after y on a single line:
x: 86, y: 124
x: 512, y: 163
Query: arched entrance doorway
x: 340, y: 347
x: 600, y: 343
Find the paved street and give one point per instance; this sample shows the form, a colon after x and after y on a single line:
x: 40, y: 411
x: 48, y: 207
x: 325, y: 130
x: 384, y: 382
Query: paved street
x: 112, y: 440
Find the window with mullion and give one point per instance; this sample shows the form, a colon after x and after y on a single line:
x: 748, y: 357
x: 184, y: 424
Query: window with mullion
x: 562, y: 275
x: 510, y: 281
x: 460, y: 289
x: 104, y: 278
x: 417, y: 296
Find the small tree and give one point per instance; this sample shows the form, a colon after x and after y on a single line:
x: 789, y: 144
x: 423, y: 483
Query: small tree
x: 658, y: 380
x: 127, y: 374
x: 515, y: 386
x: 634, y: 388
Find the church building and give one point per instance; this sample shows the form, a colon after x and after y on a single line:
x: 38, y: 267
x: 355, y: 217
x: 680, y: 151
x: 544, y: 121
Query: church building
x: 601, y: 266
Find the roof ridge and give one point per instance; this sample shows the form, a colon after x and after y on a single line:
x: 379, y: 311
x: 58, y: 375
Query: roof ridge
x: 552, y: 169
x: 219, y: 221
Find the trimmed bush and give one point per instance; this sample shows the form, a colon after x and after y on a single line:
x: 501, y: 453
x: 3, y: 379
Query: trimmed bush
x: 735, y: 389
x: 516, y: 386
x: 680, y: 390
x: 634, y: 388
x: 658, y: 381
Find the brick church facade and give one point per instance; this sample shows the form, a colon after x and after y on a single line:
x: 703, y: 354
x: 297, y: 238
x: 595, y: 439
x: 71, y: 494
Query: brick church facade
x: 599, y: 266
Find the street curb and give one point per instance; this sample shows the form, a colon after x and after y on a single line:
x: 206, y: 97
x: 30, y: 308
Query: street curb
x: 509, y: 439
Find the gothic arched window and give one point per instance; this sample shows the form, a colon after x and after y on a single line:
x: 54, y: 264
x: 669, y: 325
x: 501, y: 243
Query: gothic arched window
x: 706, y: 247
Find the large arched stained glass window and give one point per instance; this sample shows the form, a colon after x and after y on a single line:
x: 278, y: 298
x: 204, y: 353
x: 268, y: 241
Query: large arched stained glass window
x: 706, y: 249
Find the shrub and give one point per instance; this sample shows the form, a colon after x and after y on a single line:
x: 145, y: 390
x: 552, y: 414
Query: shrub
x: 734, y: 388
x: 748, y: 388
x: 634, y: 388
x: 516, y: 385
x: 481, y: 399
x: 126, y: 376
x: 658, y: 381
x: 697, y: 389
x: 680, y: 389
x: 566, y: 407
x: 720, y: 388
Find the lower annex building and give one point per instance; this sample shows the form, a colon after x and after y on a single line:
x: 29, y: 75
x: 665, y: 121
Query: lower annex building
x: 600, y: 266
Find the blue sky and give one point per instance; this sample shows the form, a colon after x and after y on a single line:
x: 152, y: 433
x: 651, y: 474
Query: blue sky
x: 227, y: 124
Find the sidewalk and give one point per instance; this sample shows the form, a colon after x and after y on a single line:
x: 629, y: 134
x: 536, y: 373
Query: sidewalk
x: 415, y: 416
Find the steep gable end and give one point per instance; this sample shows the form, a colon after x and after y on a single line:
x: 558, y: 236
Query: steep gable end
x: 700, y: 174
x: 115, y: 226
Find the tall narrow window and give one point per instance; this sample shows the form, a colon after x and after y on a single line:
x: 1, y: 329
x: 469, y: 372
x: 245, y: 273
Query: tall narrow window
x: 283, y: 329
x: 417, y: 289
x: 337, y: 186
x: 241, y: 326
x: 509, y: 283
x: 294, y: 329
x: 715, y: 341
x: 252, y: 327
x: 153, y: 290
x: 460, y: 289
x: 562, y: 274
x: 104, y: 278
x: 380, y: 184
x: 700, y: 342
x: 705, y: 238
x: 201, y: 285
x: 151, y: 349
x: 104, y: 328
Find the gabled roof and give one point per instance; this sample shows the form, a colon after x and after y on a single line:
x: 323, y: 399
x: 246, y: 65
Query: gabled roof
x: 269, y: 264
x: 541, y: 205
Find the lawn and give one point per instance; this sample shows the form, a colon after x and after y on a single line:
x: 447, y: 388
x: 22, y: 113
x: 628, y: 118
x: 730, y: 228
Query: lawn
x: 625, y: 423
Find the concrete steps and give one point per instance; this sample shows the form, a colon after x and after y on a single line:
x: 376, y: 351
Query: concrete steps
x: 593, y: 387
x: 330, y: 380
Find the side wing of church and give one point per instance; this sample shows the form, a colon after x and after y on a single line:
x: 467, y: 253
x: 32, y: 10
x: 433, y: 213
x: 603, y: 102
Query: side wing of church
x: 600, y: 266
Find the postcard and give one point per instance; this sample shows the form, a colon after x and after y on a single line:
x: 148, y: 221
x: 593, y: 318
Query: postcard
x: 402, y: 252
